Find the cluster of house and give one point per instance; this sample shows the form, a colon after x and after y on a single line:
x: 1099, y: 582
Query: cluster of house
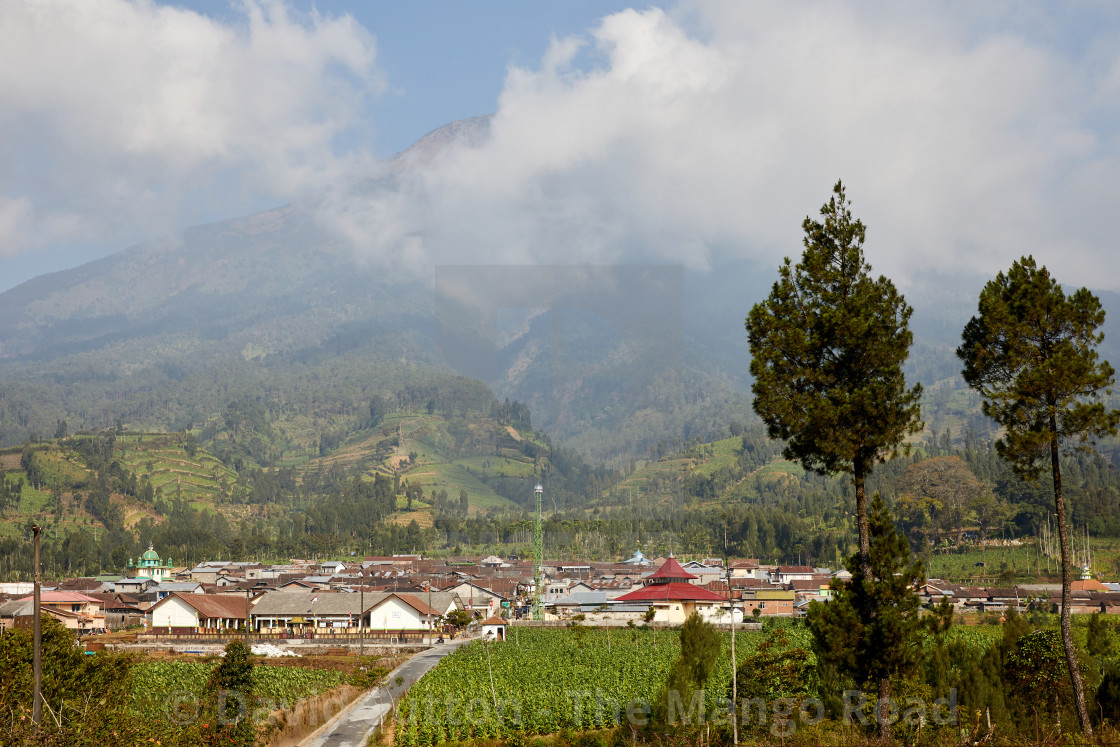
x: 411, y: 596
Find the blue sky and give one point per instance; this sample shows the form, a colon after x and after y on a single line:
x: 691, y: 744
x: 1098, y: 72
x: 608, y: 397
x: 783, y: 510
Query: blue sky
x: 435, y: 62
x: 681, y: 133
x: 445, y: 60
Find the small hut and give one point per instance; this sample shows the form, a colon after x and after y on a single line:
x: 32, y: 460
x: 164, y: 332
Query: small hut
x: 494, y: 626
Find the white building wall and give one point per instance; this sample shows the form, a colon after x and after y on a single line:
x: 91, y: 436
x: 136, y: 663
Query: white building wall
x: 675, y: 613
x: 17, y: 587
x: 393, y: 614
x: 175, y: 610
x: 496, y: 632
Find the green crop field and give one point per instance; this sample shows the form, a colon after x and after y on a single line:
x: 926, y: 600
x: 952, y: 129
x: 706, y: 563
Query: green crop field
x: 780, y: 468
x: 32, y: 501
x: 451, y: 477
x: 987, y: 565
x: 173, y: 472
x: 548, y: 680
x: 498, y: 466
x: 155, y: 685
x: 723, y: 454
x: 1010, y: 564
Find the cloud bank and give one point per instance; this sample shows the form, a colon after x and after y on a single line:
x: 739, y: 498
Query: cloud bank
x: 710, y: 131
x: 123, y: 118
x: 968, y: 134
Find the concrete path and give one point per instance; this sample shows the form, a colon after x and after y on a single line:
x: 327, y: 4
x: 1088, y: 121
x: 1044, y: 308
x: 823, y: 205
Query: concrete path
x: 352, y: 727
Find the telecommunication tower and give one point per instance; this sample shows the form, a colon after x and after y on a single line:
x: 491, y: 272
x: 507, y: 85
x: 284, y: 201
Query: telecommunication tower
x: 538, y: 551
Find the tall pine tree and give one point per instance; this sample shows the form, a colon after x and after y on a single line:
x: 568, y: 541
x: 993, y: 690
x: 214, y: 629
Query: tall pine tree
x: 827, y: 348
x: 1030, y: 352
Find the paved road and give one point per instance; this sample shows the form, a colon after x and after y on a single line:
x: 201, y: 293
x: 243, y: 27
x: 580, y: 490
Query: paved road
x: 365, y: 714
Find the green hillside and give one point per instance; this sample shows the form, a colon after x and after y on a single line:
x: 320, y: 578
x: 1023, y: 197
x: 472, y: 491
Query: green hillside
x: 456, y: 474
x: 408, y: 472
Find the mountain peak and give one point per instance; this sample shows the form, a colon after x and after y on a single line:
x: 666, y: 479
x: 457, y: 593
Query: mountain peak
x: 472, y: 132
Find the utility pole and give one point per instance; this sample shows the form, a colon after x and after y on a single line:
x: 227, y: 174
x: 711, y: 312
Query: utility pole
x: 734, y: 672
x: 361, y: 614
x: 430, y: 631
x: 538, y: 550
x: 37, y: 656
x: 246, y: 616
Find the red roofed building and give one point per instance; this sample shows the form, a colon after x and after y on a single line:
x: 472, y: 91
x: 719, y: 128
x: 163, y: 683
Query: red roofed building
x: 673, y: 597
x: 73, y: 609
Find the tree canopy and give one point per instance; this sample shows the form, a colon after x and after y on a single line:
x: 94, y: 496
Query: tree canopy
x: 1031, y: 353
x: 935, y: 495
x: 827, y: 348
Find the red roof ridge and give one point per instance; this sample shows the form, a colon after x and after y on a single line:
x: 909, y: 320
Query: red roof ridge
x: 671, y: 570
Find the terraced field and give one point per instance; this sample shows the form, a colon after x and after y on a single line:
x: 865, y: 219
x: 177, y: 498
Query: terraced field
x: 201, y: 479
x: 434, y: 442
x: 434, y: 474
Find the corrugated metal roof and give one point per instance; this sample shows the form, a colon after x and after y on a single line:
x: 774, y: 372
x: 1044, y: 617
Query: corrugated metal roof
x: 279, y: 603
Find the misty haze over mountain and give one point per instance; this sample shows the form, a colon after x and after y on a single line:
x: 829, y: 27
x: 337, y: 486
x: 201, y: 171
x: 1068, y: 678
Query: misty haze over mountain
x: 610, y: 358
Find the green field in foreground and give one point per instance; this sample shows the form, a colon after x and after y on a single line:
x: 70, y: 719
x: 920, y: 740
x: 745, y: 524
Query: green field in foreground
x: 154, y: 682
x: 551, y: 679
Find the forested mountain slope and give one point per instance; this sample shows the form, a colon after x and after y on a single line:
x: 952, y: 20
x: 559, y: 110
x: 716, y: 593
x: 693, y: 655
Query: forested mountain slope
x: 280, y: 310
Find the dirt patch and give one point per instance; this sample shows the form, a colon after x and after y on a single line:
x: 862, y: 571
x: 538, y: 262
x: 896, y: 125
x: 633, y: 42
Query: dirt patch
x: 396, y: 460
x: 134, y: 512
x: 386, y: 733
x: 423, y: 519
x: 345, y: 664
x: 291, y: 726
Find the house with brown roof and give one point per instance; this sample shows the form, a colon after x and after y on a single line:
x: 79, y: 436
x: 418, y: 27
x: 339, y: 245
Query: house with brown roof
x: 477, y: 597
x: 330, y: 611
x: 772, y: 601
x: 783, y: 574
x: 404, y: 612
x: 1087, y: 602
x: 493, y: 627
x: 197, y: 613
x: 121, y: 610
x: 744, y: 568
x: 813, y: 588
x: 84, y: 585
x: 20, y: 613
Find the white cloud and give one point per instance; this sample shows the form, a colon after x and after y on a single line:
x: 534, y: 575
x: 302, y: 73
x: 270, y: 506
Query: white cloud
x: 116, y: 115
x: 716, y: 128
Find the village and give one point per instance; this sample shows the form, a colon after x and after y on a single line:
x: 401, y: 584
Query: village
x: 412, y: 599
